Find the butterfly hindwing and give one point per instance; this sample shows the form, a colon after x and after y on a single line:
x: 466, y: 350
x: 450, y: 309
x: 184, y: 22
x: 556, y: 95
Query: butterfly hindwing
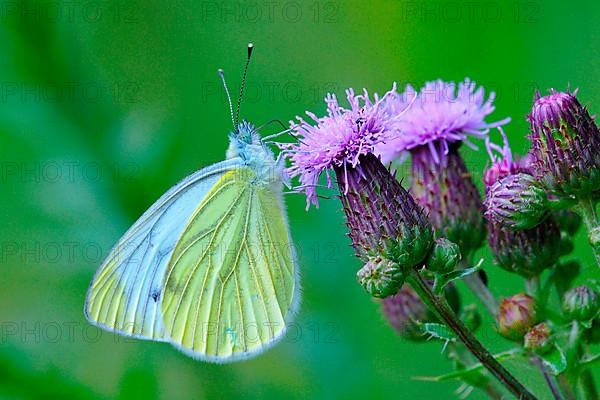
x: 125, y: 294
x: 230, y: 287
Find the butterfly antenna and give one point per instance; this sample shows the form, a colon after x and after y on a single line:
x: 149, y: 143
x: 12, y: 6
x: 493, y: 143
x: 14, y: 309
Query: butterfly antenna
x: 237, y: 112
x: 222, y: 75
x: 273, y: 121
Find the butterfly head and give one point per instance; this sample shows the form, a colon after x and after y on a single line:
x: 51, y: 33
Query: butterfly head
x: 245, y: 142
x: 247, y: 133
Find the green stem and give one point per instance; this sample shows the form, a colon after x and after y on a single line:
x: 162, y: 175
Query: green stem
x: 444, y: 311
x: 573, y: 347
x: 466, y: 359
x: 550, y: 379
x: 587, y: 209
x: 492, y: 392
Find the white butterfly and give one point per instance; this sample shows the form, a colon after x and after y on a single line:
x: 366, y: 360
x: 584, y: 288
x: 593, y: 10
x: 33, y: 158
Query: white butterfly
x: 210, y: 267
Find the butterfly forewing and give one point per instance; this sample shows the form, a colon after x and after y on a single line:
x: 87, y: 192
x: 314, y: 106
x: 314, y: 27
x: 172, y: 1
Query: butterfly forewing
x: 230, y: 285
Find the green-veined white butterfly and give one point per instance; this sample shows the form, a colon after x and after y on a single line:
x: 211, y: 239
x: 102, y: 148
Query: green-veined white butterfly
x: 210, y: 267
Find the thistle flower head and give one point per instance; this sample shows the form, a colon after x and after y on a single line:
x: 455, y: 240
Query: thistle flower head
x: 383, y: 218
x: 539, y: 339
x: 380, y: 277
x: 526, y: 252
x: 516, y: 315
x: 516, y: 202
x: 581, y: 303
x: 444, y: 256
x: 434, y: 123
x: 565, y: 142
x: 440, y: 114
x: 338, y: 139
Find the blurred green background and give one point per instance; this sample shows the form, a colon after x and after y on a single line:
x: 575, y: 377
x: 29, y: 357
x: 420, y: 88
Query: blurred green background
x: 105, y: 105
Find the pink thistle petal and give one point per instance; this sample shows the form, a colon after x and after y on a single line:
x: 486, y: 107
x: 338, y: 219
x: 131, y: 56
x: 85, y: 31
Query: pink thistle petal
x: 441, y: 112
x: 337, y: 139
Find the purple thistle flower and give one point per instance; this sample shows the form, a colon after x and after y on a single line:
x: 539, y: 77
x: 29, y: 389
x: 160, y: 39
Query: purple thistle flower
x: 338, y: 139
x: 435, y: 122
x: 504, y: 164
x: 383, y: 218
x: 439, y: 115
x: 565, y: 142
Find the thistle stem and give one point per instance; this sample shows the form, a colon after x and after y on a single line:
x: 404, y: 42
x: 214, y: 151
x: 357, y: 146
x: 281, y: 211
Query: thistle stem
x: 492, y: 392
x: 587, y: 209
x: 441, y: 307
x: 550, y: 379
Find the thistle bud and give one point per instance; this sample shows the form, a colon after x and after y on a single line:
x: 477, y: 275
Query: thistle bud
x: 539, y: 339
x: 526, y: 252
x: 380, y: 277
x: 565, y: 143
x: 581, y: 303
x: 517, y: 202
x: 516, y: 316
x: 444, y: 256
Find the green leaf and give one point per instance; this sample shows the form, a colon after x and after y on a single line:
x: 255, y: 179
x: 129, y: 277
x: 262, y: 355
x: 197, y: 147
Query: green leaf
x: 442, y: 281
x: 506, y: 355
x: 561, y: 204
x: 589, y: 360
x: 556, y: 361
